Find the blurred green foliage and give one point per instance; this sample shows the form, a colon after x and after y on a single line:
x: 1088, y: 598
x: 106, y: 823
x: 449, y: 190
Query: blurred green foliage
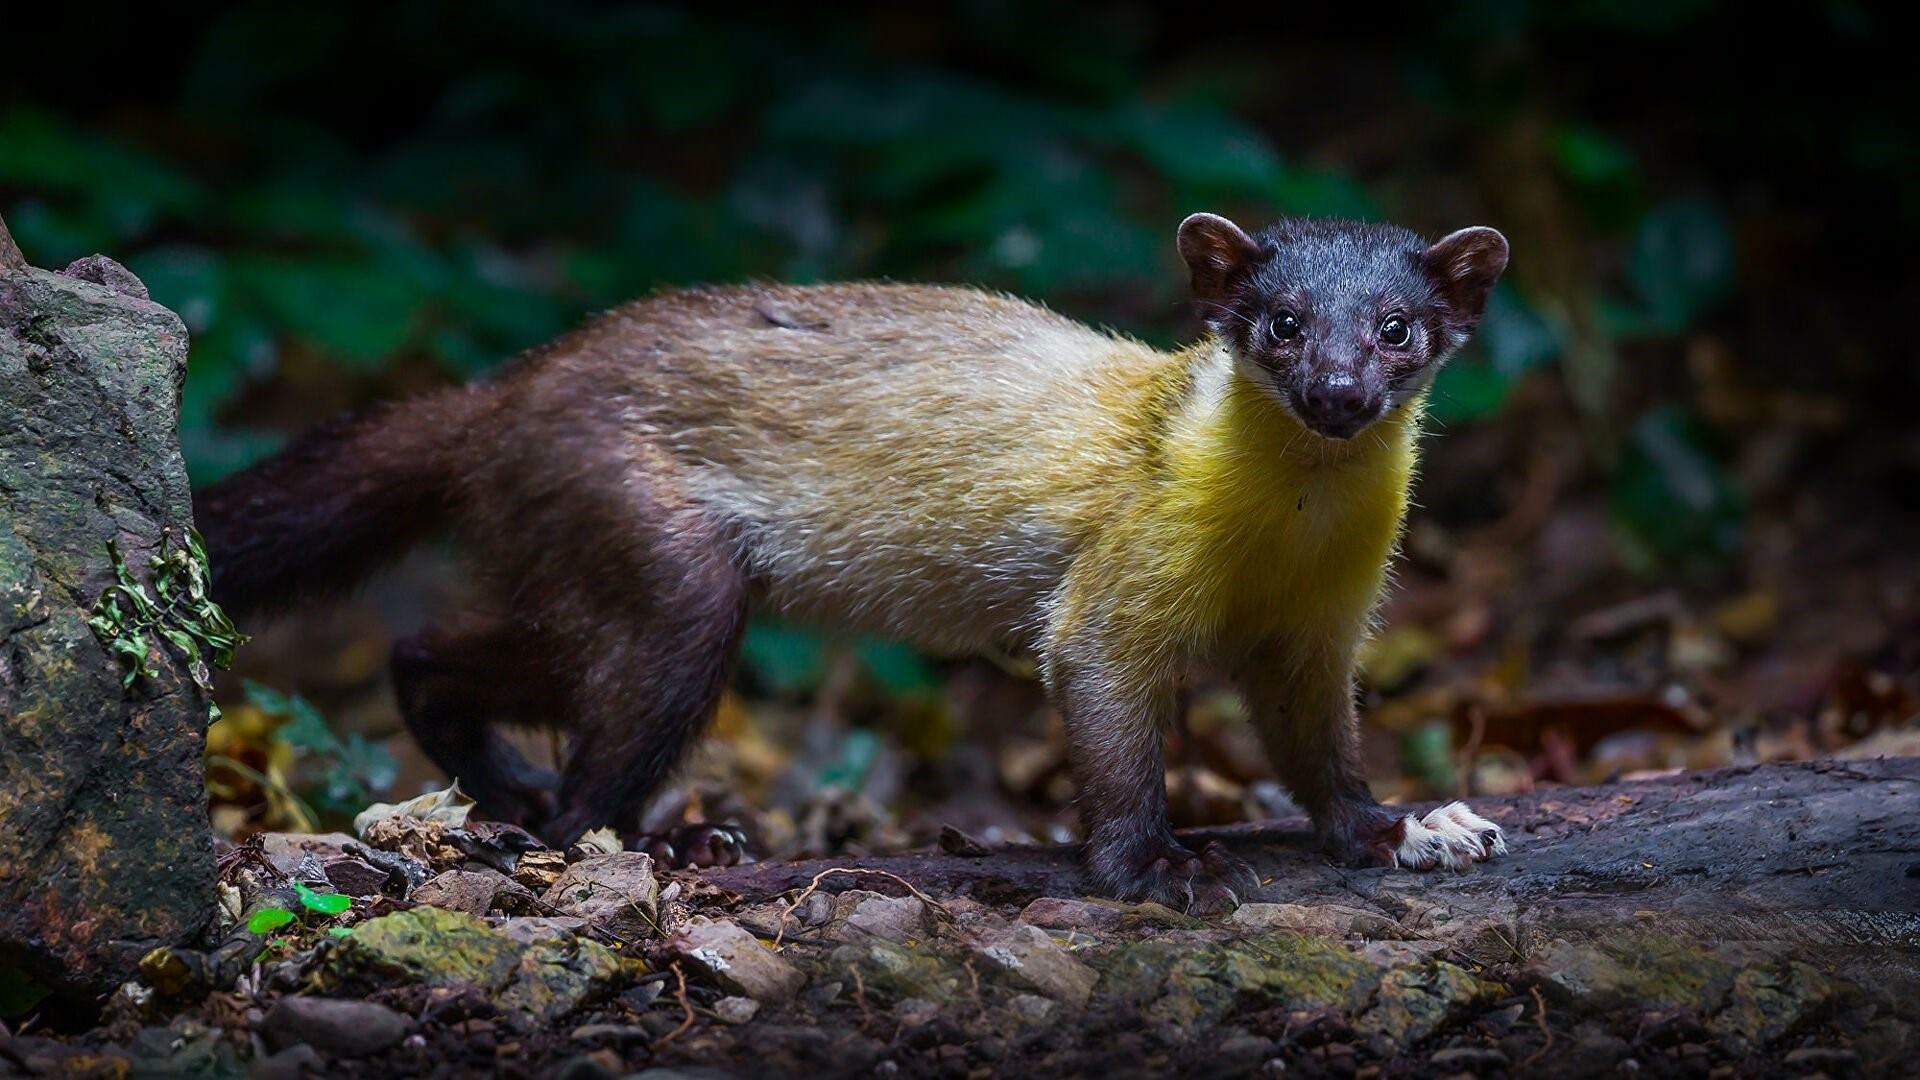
x: 345, y: 774
x: 366, y: 199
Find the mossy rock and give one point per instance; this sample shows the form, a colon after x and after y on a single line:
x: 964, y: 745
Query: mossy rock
x: 556, y: 976
x: 426, y: 945
x: 1413, y: 1002
x: 891, y: 973
x: 1637, y: 970
x: 105, y: 852
x: 1769, y: 1001
x: 1205, y: 983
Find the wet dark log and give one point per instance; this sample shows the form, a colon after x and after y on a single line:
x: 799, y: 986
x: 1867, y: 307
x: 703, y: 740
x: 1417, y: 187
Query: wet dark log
x: 1825, y: 855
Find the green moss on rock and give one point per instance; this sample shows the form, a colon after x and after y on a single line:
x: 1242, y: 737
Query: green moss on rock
x: 1413, y: 1002
x: 1204, y: 983
x: 556, y: 976
x: 425, y: 945
x: 891, y: 972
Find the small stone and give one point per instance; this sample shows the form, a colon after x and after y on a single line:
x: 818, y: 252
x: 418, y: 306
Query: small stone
x: 736, y: 1010
x: 1326, y: 920
x: 105, y: 272
x: 470, y: 891
x: 1035, y: 960
x: 1397, y: 953
x: 296, y: 1062
x: 616, y: 893
x: 915, y: 1012
x: 1060, y: 913
x: 736, y: 959
x: 815, y: 910
x: 1474, y: 1059
x: 1242, y: 1051
x: 538, y: 870
x: 820, y: 996
x: 600, y: 1065
x: 614, y: 1033
x: 285, y: 850
x: 859, y: 915
x: 1033, y: 1009
x: 513, y: 898
x: 354, y: 877
x: 1823, y: 1058
x: 638, y: 998
x: 332, y: 1026
x: 527, y: 929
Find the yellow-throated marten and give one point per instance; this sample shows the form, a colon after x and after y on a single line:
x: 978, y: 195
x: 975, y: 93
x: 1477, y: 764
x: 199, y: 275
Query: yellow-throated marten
x: 956, y: 468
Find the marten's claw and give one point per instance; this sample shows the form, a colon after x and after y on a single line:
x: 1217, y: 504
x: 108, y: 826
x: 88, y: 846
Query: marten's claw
x: 1212, y: 882
x: 698, y: 845
x: 1452, y: 836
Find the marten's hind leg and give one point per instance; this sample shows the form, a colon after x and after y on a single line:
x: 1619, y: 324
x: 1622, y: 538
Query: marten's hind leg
x: 648, y: 656
x: 456, y: 683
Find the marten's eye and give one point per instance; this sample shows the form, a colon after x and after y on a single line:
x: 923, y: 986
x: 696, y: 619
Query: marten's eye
x: 1285, y: 326
x: 1395, y: 332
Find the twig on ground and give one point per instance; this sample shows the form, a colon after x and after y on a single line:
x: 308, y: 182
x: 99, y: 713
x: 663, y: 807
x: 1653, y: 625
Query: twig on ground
x: 1540, y: 1017
x: 813, y: 886
x: 860, y: 996
x: 679, y: 991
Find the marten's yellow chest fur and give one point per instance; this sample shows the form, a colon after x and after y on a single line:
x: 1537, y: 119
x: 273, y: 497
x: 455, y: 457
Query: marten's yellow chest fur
x: 1268, y: 529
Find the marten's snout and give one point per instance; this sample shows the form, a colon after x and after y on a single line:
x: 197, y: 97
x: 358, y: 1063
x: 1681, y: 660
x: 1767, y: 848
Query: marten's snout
x: 1338, y: 404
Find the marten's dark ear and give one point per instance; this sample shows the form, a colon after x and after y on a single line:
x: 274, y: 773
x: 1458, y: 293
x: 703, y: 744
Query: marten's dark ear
x: 1217, y: 251
x: 1463, y: 266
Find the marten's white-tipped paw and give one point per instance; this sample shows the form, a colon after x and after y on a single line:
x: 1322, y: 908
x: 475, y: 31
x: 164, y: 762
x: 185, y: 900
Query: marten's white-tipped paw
x: 1452, y: 836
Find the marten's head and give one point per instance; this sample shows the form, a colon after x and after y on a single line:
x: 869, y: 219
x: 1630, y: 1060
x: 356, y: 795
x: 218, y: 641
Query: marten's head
x: 1341, y: 321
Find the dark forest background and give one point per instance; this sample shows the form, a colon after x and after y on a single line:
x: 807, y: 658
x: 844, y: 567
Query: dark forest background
x: 1668, y: 515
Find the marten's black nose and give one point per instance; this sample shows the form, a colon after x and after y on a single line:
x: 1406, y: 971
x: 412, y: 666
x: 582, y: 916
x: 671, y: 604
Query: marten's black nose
x: 1338, y: 403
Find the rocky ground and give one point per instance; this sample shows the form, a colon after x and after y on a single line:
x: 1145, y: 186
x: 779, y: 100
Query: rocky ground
x: 1716, y: 924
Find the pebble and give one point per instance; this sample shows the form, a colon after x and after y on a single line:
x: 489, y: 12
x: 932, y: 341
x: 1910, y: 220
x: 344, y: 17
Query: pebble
x: 354, y: 877
x: 1061, y: 913
x: 914, y: 1012
x: 332, y: 1026
x: 617, y: 893
x: 296, y: 1062
x: 611, y: 1032
x: 864, y: 914
x: 736, y: 959
x: 1470, y: 1058
x: 1825, y: 1058
x: 736, y: 1010
x: 1032, y: 1008
x: 527, y: 929
x: 1035, y: 960
x: 470, y: 891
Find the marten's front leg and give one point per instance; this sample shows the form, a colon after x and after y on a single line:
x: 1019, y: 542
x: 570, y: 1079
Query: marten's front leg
x: 1300, y: 696
x: 1115, y: 714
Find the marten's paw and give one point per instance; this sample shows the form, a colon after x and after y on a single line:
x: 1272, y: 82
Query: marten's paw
x: 698, y: 845
x: 1210, y: 882
x: 1452, y: 836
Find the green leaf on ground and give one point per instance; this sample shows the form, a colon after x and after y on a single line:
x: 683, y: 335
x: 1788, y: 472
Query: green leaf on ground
x: 267, y: 920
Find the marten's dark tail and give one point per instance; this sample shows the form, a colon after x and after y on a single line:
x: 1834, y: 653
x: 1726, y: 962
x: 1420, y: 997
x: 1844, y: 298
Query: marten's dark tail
x: 342, y: 501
